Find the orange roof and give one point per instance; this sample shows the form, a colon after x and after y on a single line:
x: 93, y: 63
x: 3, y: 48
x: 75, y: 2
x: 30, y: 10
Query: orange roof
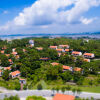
x: 76, y: 52
x: 88, y: 54
x: 39, y: 48
x: 2, y: 51
x: 63, y: 97
x: 53, y: 46
x: 87, y: 60
x: 7, y: 55
x: 10, y: 60
x: 0, y: 70
x: 15, y: 73
x: 59, y: 49
x: 17, y: 56
x: 24, y: 50
x: 64, y: 45
x: 54, y: 63
x: 65, y: 67
x: 67, y: 50
x: 14, y: 53
x: 77, y: 69
x: 7, y: 68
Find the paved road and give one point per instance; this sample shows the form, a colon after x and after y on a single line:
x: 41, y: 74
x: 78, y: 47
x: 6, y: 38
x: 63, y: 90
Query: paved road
x: 46, y: 93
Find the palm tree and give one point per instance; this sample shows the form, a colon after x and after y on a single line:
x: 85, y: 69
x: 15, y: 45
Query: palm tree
x: 63, y: 89
x: 68, y: 88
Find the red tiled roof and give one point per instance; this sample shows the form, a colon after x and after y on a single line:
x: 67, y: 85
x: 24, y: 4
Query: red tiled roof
x: 39, y: 48
x: 53, y: 46
x: 88, y: 54
x: 7, y: 68
x: 15, y: 73
x: 0, y: 70
x: 14, y: 53
x: 76, y: 52
x: 66, y: 67
x: 2, y: 51
x: 63, y: 97
x: 64, y: 46
x: 59, y: 49
x: 10, y: 60
x: 54, y: 63
x: 7, y: 55
x: 67, y: 50
x: 87, y: 60
x: 77, y: 69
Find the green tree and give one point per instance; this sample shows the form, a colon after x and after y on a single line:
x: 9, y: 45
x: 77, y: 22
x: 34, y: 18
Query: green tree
x: 5, y: 75
x: 39, y: 87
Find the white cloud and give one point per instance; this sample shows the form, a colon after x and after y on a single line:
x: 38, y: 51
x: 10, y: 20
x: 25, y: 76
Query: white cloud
x: 5, y: 12
x: 44, y: 13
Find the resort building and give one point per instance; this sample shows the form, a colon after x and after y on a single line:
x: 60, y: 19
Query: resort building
x: 15, y: 74
x: 53, y: 47
x: 89, y: 55
x: 76, y: 53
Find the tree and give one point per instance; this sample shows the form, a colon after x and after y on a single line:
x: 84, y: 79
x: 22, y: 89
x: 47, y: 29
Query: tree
x: 91, y: 83
x: 57, y: 89
x: 5, y: 75
x: 74, y: 91
x: 68, y: 88
x: 39, y: 87
x: 12, y: 98
x: 63, y: 89
x: 78, y: 91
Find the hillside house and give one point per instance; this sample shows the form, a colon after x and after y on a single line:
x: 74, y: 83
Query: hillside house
x: 77, y: 69
x: 7, y: 68
x: 60, y: 50
x: 54, y: 64
x: 76, y: 53
x: 64, y: 46
x: 39, y: 48
x: 87, y: 60
x: 53, y: 47
x: 65, y: 68
x: 63, y: 97
x: 1, y: 72
x: 15, y: 74
x: 88, y: 55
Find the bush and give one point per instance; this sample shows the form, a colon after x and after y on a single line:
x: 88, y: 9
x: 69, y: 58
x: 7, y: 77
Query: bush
x: 35, y: 98
x: 12, y: 98
x: 39, y: 87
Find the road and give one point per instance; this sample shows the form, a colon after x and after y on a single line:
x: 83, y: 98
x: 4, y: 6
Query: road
x: 45, y: 93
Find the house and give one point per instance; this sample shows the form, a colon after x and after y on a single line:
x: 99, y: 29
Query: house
x: 2, y: 51
x: 59, y: 54
x: 24, y: 50
x: 64, y: 46
x: 14, y: 49
x: 54, y: 64
x: 60, y: 50
x: 45, y: 59
x: 65, y: 68
x: 77, y: 69
x: 1, y: 72
x: 88, y: 55
x: 7, y: 55
x: 53, y: 47
x: 14, y: 53
x: 76, y: 53
x: 3, y: 48
x: 15, y: 74
x: 63, y: 97
x: 67, y: 50
x: 39, y: 48
x: 17, y: 56
x: 10, y: 60
x: 7, y: 68
x: 87, y: 60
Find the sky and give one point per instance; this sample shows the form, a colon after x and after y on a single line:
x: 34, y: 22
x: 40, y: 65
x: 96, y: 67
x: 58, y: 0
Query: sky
x: 49, y: 16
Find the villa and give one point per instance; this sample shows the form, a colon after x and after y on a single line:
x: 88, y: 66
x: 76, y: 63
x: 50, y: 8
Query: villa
x: 53, y: 47
x: 76, y: 53
x: 15, y: 74
x: 88, y: 55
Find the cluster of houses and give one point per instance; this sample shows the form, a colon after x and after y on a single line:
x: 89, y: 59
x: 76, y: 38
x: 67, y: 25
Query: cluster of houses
x: 65, y: 68
x: 60, y: 49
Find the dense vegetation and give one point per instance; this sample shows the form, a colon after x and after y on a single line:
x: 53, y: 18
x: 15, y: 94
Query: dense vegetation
x: 35, y: 70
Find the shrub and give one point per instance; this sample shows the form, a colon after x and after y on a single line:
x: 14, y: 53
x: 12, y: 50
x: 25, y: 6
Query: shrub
x: 39, y: 87
x: 35, y: 98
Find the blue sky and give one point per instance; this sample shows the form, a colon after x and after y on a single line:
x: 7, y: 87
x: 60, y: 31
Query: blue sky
x: 49, y: 16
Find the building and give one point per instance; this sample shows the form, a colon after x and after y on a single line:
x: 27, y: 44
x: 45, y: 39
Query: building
x: 7, y: 68
x: 14, y: 49
x: 76, y: 53
x: 2, y: 51
x: 10, y: 60
x: 54, y: 64
x: 15, y: 74
x: 31, y: 42
x: 67, y: 50
x: 39, y: 48
x: 63, y: 97
x: 60, y: 50
x: 65, y: 68
x: 87, y: 60
x: 53, y: 47
x: 45, y: 59
x: 64, y: 46
x: 14, y: 53
x: 88, y: 55
x: 22, y: 81
x: 77, y: 69
x: 1, y: 72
